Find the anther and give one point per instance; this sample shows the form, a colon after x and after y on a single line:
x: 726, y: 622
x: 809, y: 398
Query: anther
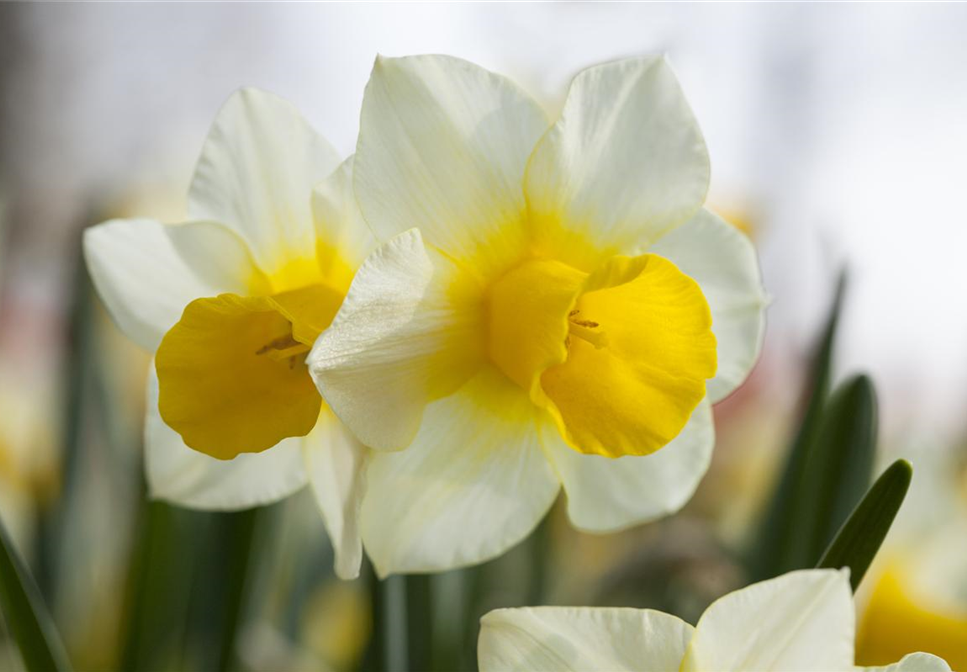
x: 284, y: 348
x: 585, y: 330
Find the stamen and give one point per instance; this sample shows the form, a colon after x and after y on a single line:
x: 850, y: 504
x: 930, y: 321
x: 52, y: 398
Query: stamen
x: 284, y: 348
x: 280, y: 343
x: 585, y: 330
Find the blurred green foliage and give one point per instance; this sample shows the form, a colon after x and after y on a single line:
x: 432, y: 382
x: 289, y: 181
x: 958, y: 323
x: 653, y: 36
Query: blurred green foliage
x: 250, y: 590
x: 26, y: 614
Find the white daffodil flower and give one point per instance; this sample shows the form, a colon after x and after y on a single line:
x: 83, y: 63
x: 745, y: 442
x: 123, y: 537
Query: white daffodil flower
x: 802, y: 621
x: 231, y: 302
x: 547, y: 298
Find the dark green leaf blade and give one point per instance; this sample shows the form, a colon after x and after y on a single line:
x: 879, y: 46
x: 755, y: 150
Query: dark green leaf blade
x: 861, y: 535
x: 779, y: 547
x: 840, y: 466
x: 25, y: 614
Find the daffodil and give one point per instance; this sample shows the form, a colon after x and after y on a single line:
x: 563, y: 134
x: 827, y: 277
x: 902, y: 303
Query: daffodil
x: 802, y: 621
x: 231, y: 302
x: 550, y: 305
x: 918, y: 600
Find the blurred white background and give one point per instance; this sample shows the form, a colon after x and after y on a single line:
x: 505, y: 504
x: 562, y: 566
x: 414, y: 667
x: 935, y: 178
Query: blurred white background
x: 838, y: 135
x: 839, y: 132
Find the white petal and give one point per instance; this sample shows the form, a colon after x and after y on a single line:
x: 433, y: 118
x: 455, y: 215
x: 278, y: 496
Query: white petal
x: 913, y: 662
x: 219, y: 256
x: 626, y: 161
x: 400, y: 340
x: 802, y: 621
x: 581, y: 639
x: 442, y: 146
x: 334, y: 462
x: 256, y: 173
x: 183, y: 476
x: 473, y: 483
x: 339, y: 222
x: 723, y: 261
x: 606, y: 495
x: 143, y: 278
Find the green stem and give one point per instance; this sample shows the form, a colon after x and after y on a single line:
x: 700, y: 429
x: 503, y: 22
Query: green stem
x: 419, y: 621
x: 243, y: 552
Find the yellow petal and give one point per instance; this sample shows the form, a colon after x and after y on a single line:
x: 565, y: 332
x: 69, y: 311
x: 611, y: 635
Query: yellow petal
x: 232, y: 373
x: 619, y: 357
x: 175, y: 473
x: 631, y: 388
x: 310, y: 310
x: 897, y: 621
x: 528, y: 323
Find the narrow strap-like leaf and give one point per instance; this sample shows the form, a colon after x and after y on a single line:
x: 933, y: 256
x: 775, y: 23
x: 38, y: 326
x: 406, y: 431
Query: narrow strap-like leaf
x: 860, y: 537
x: 26, y: 616
x: 779, y: 546
x: 838, y: 469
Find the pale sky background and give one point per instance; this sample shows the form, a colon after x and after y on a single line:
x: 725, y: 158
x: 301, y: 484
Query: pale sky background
x: 842, y: 130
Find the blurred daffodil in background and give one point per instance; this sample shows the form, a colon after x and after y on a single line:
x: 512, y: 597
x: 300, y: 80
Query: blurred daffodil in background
x: 799, y: 622
x: 551, y: 305
x: 230, y: 302
x: 29, y: 463
x: 917, y: 600
x: 546, y: 300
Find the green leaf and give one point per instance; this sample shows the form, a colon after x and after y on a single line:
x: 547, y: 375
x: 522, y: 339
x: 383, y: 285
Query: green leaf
x: 777, y: 548
x: 829, y: 466
x: 861, y: 535
x: 419, y: 621
x: 26, y: 616
x: 242, y: 531
x: 834, y: 474
x: 160, y: 585
x: 844, y: 456
x: 225, y: 585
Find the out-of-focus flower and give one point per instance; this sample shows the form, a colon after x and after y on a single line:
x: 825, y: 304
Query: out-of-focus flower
x: 29, y: 468
x: 337, y: 623
x: 915, y: 595
x: 232, y: 301
x: 554, y: 309
x: 801, y: 621
x: 919, y: 601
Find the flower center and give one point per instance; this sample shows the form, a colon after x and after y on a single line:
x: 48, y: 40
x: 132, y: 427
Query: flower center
x: 587, y: 330
x: 529, y: 314
x: 619, y: 357
x: 284, y: 349
x: 232, y: 375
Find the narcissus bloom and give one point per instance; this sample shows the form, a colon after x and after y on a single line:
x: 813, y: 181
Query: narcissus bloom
x: 231, y: 301
x: 551, y: 304
x: 799, y: 622
x: 918, y: 600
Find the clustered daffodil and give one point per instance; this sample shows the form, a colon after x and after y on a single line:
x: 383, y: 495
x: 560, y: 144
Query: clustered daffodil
x: 231, y: 302
x: 551, y: 304
x: 803, y: 621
